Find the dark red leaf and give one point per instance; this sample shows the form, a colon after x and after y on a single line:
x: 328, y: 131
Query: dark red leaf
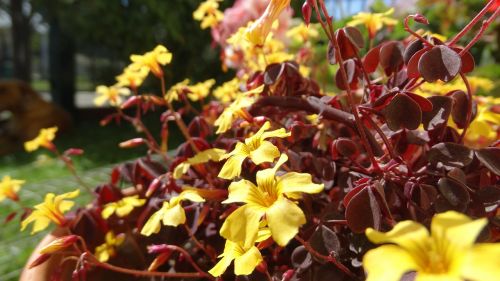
x: 324, y: 241
x: 450, y: 154
x: 460, y: 107
x: 490, y: 157
x: 363, y: 211
x: 371, y: 59
x: 439, y: 63
x: 454, y: 192
x: 10, y: 217
x: 438, y: 116
x: 412, y: 65
x: 353, y: 34
x: 425, y: 104
x: 391, y: 56
x: 402, y: 112
x: 412, y: 49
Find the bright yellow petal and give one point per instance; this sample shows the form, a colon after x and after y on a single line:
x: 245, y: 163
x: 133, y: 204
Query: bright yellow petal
x: 181, y: 169
x: 266, y: 152
x: 280, y: 133
x: 108, y: 210
x: 174, y: 216
x: 407, y: 234
x: 124, y: 210
x: 238, y: 191
x: 246, y: 263
x: 284, y: 219
x: 191, y: 195
x: 457, y: 227
x: 298, y: 182
x: 153, y: 224
x: 232, y: 167
x: 387, y: 263
x: 482, y: 263
x: 242, y: 225
x: 221, y: 266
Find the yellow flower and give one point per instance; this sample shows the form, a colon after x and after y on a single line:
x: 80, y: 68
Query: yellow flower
x: 259, y: 30
x: 256, y: 147
x: 108, y: 249
x: 448, y: 253
x: 213, y: 154
x: 152, y: 60
x: 122, y: 207
x: 171, y: 213
x: 228, y: 91
x: 9, y: 188
x: 44, y: 139
x: 483, y: 129
x: 373, y: 22
x: 110, y: 94
x: 175, y: 90
x: 236, y: 109
x: 245, y: 259
x: 200, y: 90
x: 131, y: 77
x: 270, y: 198
x: 302, y: 33
x: 208, y: 13
x: 51, y: 210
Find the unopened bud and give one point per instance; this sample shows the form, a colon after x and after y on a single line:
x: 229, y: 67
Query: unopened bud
x: 132, y: 143
x: 38, y: 261
x: 420, y: 18
x: 306, y: 12
x: 131, y: 102
x: 73, y: 152
x: 59, y: 244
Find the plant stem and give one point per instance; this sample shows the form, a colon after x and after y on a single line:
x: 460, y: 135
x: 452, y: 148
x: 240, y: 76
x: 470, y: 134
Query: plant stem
x: 469, y: 106
x: 326, y: 258
x: 149, y: 273
x: 343, y: 74
x: 471, y: 23
x: 72, y: 170
x: 182, y: 126
x: 484, y: 26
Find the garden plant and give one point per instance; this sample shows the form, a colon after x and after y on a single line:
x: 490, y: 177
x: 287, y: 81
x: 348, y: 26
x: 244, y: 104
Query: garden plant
x: 387, y: 169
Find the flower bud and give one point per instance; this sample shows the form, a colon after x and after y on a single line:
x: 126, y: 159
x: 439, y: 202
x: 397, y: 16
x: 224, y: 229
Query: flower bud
x: 306, y: 12
x: 132, y: 143
x: 38, y: 261
x: 59, y: 244
x: 420, y: 18
x: 73, y: 151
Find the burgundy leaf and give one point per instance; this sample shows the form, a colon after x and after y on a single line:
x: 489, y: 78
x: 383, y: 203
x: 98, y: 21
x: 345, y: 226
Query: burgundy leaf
x: 439, y: 63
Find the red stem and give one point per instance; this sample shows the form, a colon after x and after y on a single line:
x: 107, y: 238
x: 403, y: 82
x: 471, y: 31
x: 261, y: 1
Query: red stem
x: 469, y: 109
x: 484, y: 26
x: 343, y: 73
x: 326, y: 258
x: 472, y: 23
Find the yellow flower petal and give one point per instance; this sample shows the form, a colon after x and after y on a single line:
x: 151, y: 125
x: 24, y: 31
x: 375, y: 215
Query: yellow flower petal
x: 153, y: 224
x: 284, y: 219
x: 246, y: 263
x: 387, y: 263
x: 232, y: 167
x: 266, y: 152
x: 457, y: 227
x: 482, y: 263
x: 407, y: 234
x: 298, y: 182
x: 238, y: 191
x: 221, y: 266
x: 243, y: 224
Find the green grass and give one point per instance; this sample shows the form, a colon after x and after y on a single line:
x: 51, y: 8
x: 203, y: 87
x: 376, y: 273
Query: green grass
x: 45, y: 174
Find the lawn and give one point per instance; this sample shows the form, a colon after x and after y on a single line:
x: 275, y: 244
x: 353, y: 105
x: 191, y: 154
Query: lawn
x: 45, y: 174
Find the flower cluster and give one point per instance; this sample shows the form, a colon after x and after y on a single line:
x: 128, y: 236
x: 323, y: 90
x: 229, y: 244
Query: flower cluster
x: 278, y: 178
